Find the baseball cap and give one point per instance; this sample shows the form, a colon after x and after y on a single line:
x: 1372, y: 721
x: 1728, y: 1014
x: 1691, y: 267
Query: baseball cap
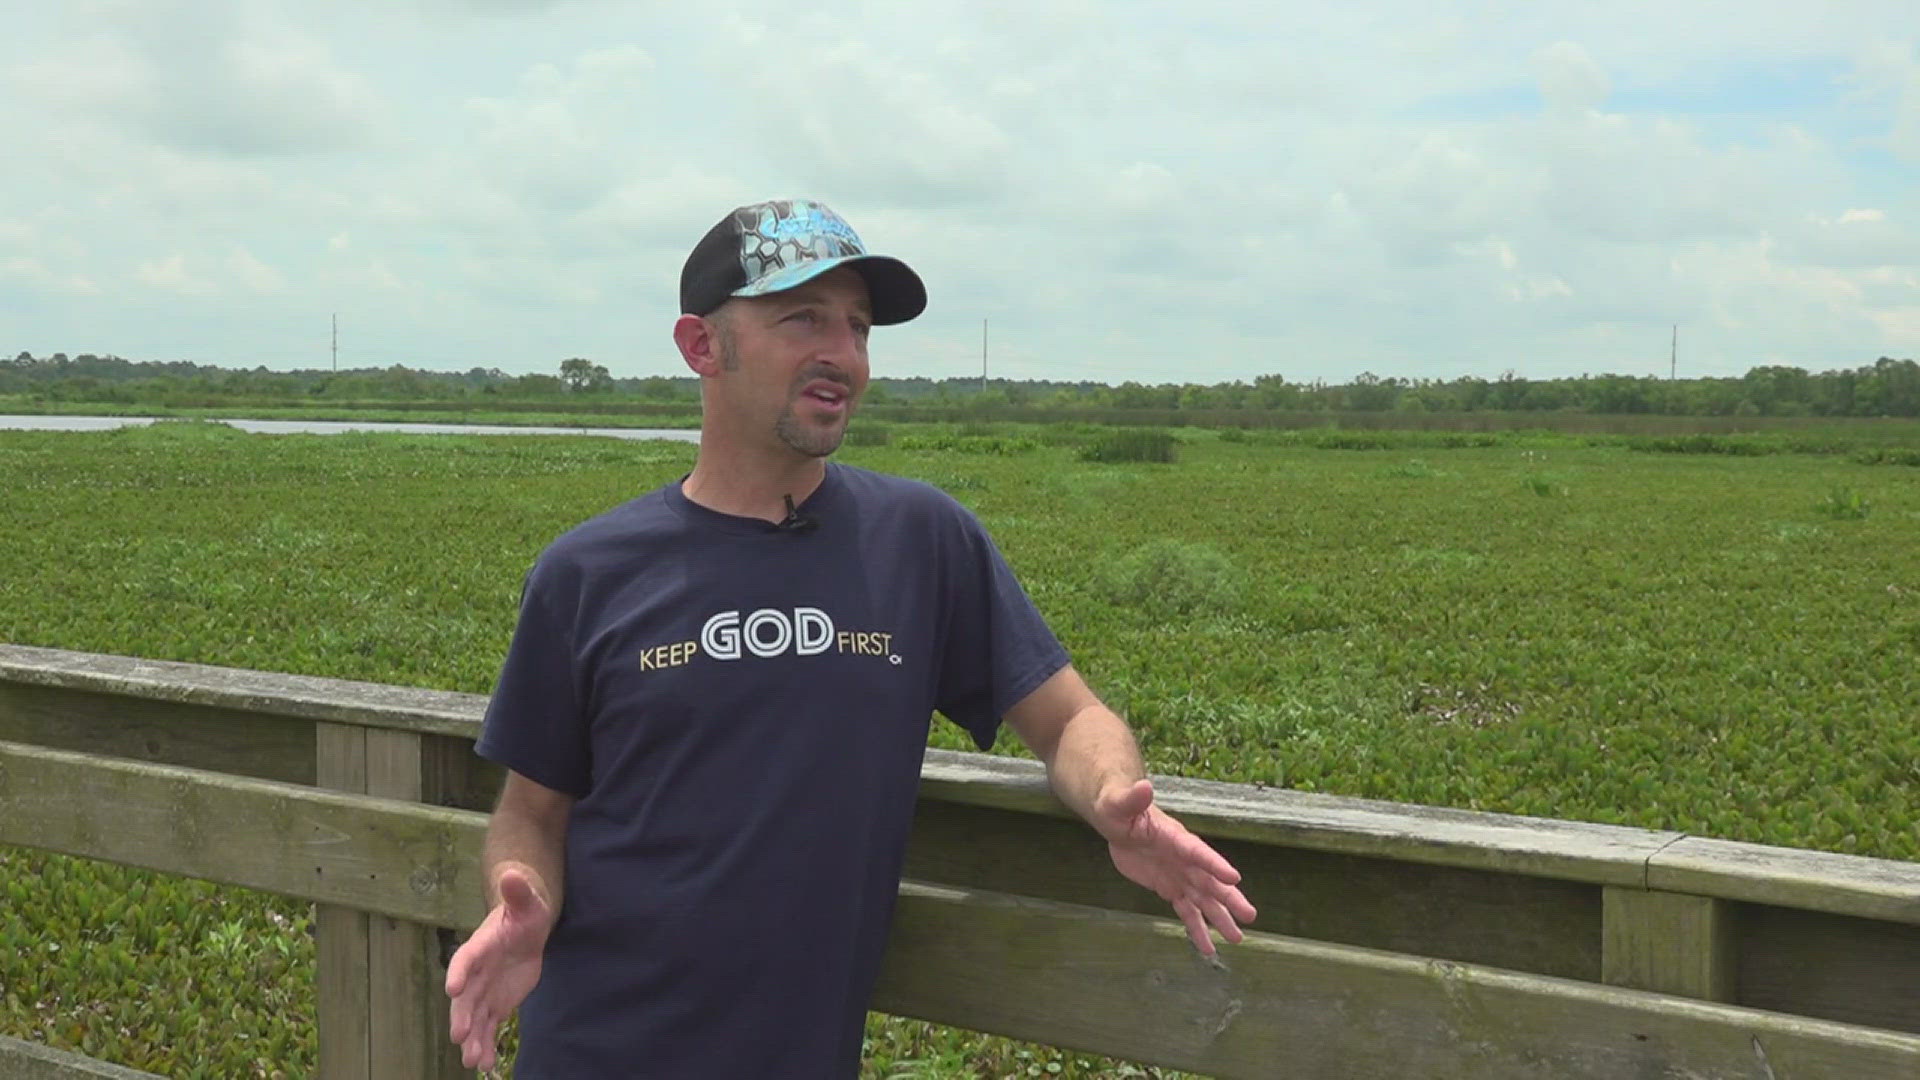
x: 771, y: 247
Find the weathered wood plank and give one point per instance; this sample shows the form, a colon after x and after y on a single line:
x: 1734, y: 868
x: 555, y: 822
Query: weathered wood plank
x: 343, y: 940
x: 340, y: 757
x: 407, y: 1003
x: 1790, y: 877
x: 165, y: 732
x: 405, y: 995
x: 1668, y: 942
x: 20, y: 1060
x: 1541, y: 925
x: 1573, y: 851
x: 1130, y: 986
x: 1108, y: 981
x: 414, y: 862
x: 265, y: 692
x: 192, y: 715
x: 456, y: 776
x: 1542, y: 847
x: 1831, y: 966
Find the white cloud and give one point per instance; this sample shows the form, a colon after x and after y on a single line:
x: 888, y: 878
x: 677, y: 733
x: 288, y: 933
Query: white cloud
x: 171, y: 275
x: 851, y: 118
x: 1901, y: 325
x: 563, y: 141
x: 1570, y: 81
x: 37, y: 275
x: 1889, y: 72
x: 205, y: 76
x: 249, y: 274
x: 1856, y: 239
x: 1213, y: 189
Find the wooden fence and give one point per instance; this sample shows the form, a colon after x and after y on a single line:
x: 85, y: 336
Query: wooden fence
x: 1393, y: 941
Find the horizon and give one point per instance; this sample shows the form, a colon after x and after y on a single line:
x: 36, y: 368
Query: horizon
x: 6, y: 358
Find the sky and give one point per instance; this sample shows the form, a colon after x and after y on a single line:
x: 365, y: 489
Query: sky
x: 1206, y: 191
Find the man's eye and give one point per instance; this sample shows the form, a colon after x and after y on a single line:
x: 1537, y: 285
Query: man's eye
x: 803, y: 316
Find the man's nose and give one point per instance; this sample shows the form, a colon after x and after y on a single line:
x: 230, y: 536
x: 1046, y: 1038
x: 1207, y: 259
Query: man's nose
x: 843, y: 344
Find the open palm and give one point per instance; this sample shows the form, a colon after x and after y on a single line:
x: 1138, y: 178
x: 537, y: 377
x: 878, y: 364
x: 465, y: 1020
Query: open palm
x: 497, y: 968
x: 1155, y: 851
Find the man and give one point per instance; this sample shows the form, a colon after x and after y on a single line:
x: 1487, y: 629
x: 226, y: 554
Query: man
x: 716, y: 703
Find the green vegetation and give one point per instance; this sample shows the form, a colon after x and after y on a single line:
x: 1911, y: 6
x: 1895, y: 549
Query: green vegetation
x: 1171, y: 579
x: 1844, y: 504
x: 1886, y: 387
x: 1705, y: 641
x: 1130, y: 444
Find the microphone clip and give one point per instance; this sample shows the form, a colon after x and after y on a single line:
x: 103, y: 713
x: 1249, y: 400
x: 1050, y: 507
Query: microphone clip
x: 795, y: 522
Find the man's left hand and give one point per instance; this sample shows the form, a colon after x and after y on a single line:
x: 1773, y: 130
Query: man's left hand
x: 1155, y: 851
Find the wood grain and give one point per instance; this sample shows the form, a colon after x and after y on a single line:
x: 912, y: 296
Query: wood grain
x: 1540, y: 847
x: 1132, y: 987
x: 404, y: 996
x: 413, y: 862
x: 244, y: 690
x: 342, y: 940
x: 1833, y: 966
x: 1668, y: 942
x: 1541, y: 925
x: 1882, y: 889
x: 164, y: 732
x: 20, y: 1060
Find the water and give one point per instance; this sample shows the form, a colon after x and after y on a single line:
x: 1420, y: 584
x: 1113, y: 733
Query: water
x: 336, y: 427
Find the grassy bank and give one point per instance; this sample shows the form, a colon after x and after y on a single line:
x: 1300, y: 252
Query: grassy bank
x: 1714, y: 641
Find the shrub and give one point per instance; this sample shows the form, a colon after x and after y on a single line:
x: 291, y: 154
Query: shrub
x: 1545, y: 486
x: 994, y: 445
x: 1170, y: 579
x: 1412, y: 470
x: 1886, y: 456
x: 1131, y: 444
x: 1732, y: 445
x: 869, y: 434
x: 1068, y: 434
x: 1333, y: 438
x: 1843, y: 504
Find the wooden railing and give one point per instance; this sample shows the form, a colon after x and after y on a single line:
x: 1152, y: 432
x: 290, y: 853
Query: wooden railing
x: 1393, y: 940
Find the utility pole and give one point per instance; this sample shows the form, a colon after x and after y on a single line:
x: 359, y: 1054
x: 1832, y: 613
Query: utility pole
x: 336, y: 341
x: 1673, y: 358
x: 983, y: 356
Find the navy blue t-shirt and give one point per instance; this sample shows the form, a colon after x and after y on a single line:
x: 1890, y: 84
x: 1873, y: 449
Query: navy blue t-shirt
x: 741, y: 713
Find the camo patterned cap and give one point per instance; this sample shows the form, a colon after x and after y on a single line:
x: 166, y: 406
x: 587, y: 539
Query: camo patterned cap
x: 773, y: 246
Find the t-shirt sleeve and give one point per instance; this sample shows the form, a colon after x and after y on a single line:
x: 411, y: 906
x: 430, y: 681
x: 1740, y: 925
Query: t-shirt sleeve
x: 997, y: 648
x: 534, y: 722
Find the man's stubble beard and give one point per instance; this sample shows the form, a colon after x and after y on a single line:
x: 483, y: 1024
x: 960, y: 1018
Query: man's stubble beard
x: 809, y: 440
x: 799, y: 437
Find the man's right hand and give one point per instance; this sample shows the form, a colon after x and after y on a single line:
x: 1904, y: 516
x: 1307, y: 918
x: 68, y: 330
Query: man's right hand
x: 497, y: 968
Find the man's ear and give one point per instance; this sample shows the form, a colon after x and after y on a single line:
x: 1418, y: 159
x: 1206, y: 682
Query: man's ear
x: 699, y: 344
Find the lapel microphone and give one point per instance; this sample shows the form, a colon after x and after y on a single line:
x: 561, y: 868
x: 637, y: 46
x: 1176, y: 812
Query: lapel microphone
x: 795, y: 522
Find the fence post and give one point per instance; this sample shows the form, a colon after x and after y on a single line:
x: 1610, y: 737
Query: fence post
x: 1670, y: 943
x: 382, y: 1002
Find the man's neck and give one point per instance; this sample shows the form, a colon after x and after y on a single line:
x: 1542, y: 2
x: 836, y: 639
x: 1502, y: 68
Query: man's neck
x: 751, y: 485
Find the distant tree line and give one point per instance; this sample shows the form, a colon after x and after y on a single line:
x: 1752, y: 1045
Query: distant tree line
x: 1887, y: 387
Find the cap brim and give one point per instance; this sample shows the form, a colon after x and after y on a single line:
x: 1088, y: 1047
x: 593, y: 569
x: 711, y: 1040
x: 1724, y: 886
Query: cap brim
x: 896, y: 291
